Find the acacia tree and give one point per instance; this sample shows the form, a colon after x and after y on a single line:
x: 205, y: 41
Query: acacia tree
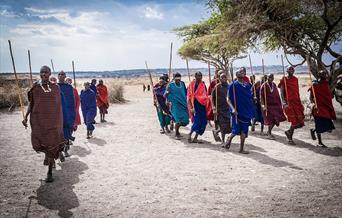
x: 205, y: 42
x: 310, y: 29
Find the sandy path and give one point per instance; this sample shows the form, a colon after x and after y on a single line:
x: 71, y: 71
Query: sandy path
x: 131, y: 170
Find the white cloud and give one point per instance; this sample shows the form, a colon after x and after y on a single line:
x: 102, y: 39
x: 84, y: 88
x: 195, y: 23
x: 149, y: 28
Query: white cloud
x: 153, y: 13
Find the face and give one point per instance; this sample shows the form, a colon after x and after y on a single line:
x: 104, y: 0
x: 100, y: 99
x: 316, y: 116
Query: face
x: 101, y: 82
x: 93, y: 82
x: 53, y: 80
x: 198, y: 77
x: 177, y: 80
x: 45, y: 74
x: 290, y: 71
x: 86, y: 86
x: 270, y: 78
x: 61, y: 76
x: 161, y: 82
x: 240, y: 74
x: 223, y: 78
x: 243, y: 71
x: 69, y: 81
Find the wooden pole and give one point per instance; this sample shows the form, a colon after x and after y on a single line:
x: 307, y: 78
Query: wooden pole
x: 216, y: 100
x: 250, y: 64
x: 53, y: 69
x: 234, y: 96
x: 285, y: 83
x: 209, y: 73
x: 170, y: 62
x: 17, y: 81
x: 265, y: 88
x: 187, y: 66
x: 152, y: 86
x: 29, y: 58
x: 73, y: 72
x: 311, y: 84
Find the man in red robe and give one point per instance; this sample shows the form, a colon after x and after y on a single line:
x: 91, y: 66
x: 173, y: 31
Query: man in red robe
x: 102, y: 100
x: 292, y: 104
x: 324, y: 111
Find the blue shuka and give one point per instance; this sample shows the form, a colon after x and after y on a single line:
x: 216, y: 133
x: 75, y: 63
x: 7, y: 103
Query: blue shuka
x: 93, y: 87
x: 88, y: 107
x: 179, y: 106
x: 200, y: 117
x: 69, y: 111
x: 244, y: 106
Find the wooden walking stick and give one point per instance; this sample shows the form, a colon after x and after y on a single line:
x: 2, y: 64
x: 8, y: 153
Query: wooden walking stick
x: 216, y: 100
x: 53, y: 69
x: 287, y: 95
x: 250, y: 64
x: 209, y: 73
x: 154, y: 94
x: 170, y: 62
x: 73, y: 72
x: 231, y: 74
x: 29, y: 58
x: 187, y: 66
x: 17, y: 81
x: 265, y: 88
x: 311, y: 84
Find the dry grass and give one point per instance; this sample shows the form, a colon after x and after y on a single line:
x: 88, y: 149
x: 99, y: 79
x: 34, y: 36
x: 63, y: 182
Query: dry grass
x: 9, y: 95
x: 116, y: 91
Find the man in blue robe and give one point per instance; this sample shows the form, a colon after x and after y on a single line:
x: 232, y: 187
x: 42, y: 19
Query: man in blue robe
x: 69, y: 112
x: 93, y: 87
x: 88, y: 107
x: 176, y: 95
x: 242, y: 108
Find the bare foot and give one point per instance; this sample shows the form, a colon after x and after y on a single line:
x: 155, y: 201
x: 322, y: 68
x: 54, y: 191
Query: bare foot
x: 243, y: 152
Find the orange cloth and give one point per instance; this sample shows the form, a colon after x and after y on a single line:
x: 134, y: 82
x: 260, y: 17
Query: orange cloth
x: 77, y: 109
x: 102, y: 97
x: 295, y: 109
x: 201, y: 96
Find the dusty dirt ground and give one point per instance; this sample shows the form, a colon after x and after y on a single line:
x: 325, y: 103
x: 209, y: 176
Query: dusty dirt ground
x: 130, y: 170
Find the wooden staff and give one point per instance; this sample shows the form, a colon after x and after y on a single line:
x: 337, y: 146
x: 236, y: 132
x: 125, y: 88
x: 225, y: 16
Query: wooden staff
x: 151, y: 82
x: 53, y: 69
x: 209, y: 73
x: 73, y: 72
x: 250, y: 64
x: 187, y: 66
x: 311, y: 84
x: 29, y: 58
x: 231, y: 74
x: 170, y: 62
x: 17, y: 82
x: 265, y: 88
x: 285, y: 84
x: 216, y: 101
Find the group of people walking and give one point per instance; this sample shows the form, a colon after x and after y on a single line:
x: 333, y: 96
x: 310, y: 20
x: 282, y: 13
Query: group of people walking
x: 54, y: 114
x: 242, y: 102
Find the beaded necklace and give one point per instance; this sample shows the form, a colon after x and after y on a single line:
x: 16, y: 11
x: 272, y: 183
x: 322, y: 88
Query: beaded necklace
x: 48, y: 87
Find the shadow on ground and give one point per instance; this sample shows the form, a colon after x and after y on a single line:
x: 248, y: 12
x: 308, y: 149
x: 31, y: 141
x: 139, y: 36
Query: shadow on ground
x: 59, y: 195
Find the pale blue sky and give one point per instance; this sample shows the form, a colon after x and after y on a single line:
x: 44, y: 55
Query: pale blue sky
x: 99, y: 35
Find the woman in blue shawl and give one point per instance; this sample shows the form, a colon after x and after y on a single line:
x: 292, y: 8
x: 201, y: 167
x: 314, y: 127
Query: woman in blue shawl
x: 88, y: 107
x: 162, y: 108
x: 176, y: 95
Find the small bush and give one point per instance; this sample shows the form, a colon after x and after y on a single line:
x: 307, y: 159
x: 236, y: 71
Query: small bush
x: 116, y: 91
x: 9, y: 94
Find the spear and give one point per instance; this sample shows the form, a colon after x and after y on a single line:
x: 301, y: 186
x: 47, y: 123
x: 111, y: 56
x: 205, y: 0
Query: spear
x: 53, y: 69
x: 151, y: 82
x: 265, y: 88
x: 187, y: 66
x: 209, y: 73
x: 17, y: 81
x: 29, y: 58
x: 73, y: 71
x: 311, y: 84
x: 231, y: 74
x: 287, y: 95
x: 250, y: 64
x: 170, y: 62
